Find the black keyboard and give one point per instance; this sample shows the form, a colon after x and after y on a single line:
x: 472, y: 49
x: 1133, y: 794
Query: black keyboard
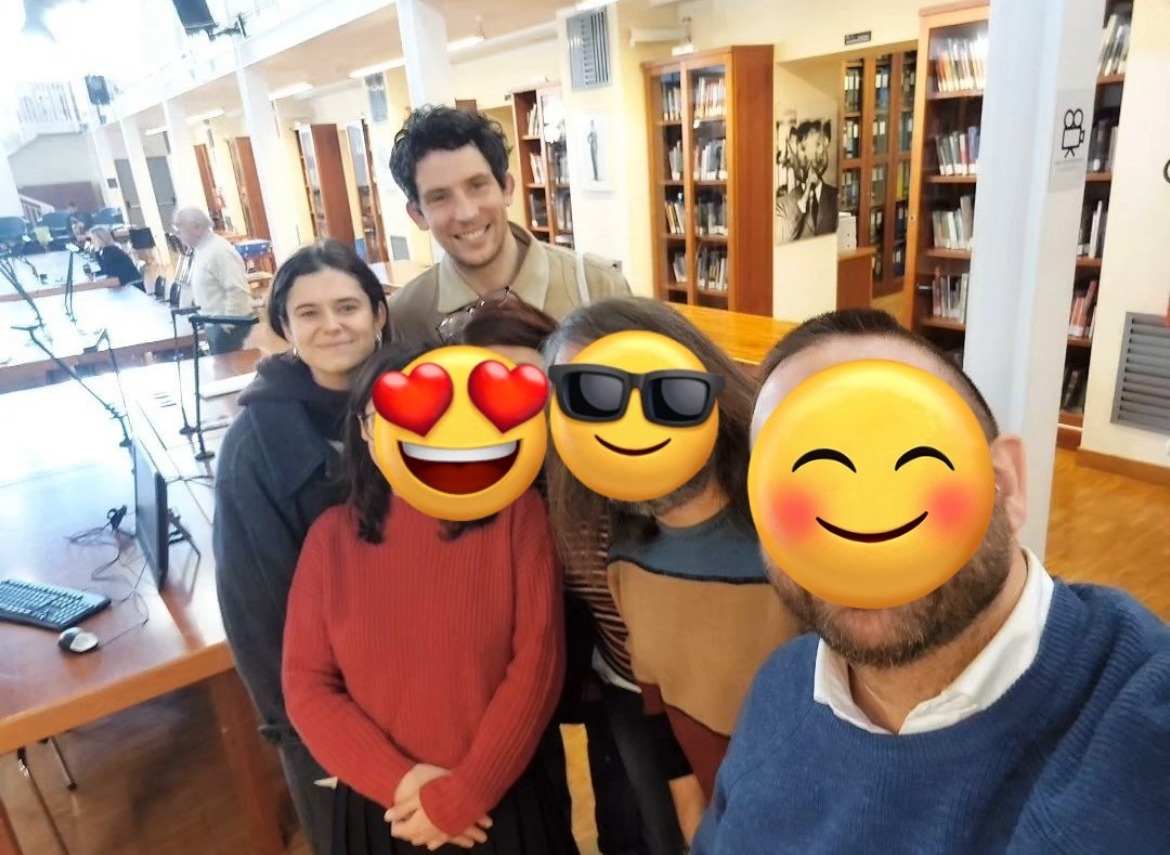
x: 47, y: 606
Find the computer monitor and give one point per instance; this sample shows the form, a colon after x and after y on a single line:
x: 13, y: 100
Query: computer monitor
x: 152, y: 518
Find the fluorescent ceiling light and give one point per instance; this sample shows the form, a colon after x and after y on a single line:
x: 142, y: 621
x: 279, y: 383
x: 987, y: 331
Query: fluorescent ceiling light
x: 294, y: 89
x: 161, y: 129
x: 374, y: 69
x: 203, y: 117
x: 460, y: 44
x: 682, y: 50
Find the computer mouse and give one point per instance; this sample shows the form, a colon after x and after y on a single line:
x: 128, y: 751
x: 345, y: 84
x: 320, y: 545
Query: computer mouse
x: 77, y: 640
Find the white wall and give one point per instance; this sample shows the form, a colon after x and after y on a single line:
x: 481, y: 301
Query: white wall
x: 488, y: 80
x: 1133, y: 275
x: 56, y: 159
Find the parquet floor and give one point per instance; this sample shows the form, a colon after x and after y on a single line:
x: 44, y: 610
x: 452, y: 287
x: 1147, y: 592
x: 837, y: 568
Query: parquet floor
x: 154, y: 781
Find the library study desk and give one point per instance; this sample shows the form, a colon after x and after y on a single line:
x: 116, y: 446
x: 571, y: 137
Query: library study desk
x: 63, y: 470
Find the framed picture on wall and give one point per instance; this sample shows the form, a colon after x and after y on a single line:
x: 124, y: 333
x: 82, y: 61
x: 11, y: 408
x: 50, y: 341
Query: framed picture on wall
x: 592, y: 144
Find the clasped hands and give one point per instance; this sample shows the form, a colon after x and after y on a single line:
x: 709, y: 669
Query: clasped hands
x: 409, y: 822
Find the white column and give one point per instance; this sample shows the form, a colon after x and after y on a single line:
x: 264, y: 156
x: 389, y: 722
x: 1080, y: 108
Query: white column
x: 136, y: 154
x: 9, y: 198
x: 111, y: 197
x: 278, y: 175
x: 1031, y: 181
x: 429, y: 75
x: 184, y: 167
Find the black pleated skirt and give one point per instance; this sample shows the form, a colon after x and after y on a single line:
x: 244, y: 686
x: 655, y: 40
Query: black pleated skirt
x: 529, y: 820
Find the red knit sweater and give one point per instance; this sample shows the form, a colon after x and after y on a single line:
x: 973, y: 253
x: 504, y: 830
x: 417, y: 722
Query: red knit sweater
x: 419, y: 650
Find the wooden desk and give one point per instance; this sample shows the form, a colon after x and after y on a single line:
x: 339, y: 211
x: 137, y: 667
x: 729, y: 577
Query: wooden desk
x: 70, y: 470
x: 745, y: 338
x: 855, y: 278
x: 54, y: 267
x: 137, y: 325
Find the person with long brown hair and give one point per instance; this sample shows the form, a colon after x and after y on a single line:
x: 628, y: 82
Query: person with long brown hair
x: 686, y: 573
x: 423, y: 660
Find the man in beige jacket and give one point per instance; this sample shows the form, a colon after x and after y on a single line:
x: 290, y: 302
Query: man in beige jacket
x: 453, y: 167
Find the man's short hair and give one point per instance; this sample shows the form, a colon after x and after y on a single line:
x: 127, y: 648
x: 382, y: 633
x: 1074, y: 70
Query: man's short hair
x: 194, y: 216
x: 855, y: 323
x: 441, y: 128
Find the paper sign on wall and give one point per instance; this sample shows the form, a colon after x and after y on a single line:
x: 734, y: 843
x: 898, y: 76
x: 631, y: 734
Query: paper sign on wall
x: 1071, y: 143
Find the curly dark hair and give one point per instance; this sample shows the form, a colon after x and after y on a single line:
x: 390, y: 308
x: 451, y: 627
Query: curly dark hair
x: 368, y: 490
x: 436, y: 127
x: 323, y: 255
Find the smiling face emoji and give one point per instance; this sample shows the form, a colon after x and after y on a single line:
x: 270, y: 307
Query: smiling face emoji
x: 634, y: 416
x: 460, y: 434
x: 871, y: 484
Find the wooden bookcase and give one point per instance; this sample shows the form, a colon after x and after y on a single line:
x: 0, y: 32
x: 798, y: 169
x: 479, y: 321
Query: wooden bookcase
x: 324, y: 175
x: 248, y: 185
x: 711, y: 178
x: 1102, y: 138
x: 358, y: 136
x: 944, y: 168
x: 876, y: 124
x: 542, y: 138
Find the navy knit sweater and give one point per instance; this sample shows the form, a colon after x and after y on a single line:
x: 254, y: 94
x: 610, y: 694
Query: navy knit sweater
x: 1074, y: 758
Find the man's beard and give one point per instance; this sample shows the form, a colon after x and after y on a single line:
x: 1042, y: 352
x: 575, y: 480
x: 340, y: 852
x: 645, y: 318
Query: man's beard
x: 890, y: 638
x: 673, y: 499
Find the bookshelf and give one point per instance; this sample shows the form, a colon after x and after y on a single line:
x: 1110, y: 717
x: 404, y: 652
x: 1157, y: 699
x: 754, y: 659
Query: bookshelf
x: 248, y: 185
x: 541, y: 136
x: 1102, y: 134
x: 320, y: 147
x: 944, y: 169
x: 370, y: 207
x: 877, y: 134
x: 711, y: 178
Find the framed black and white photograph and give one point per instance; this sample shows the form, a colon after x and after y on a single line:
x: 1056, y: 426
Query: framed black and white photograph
x: 591, y: 142
x: 806, y: 192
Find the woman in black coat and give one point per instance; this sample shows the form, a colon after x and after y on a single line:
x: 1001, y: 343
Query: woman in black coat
x: 113, y: 259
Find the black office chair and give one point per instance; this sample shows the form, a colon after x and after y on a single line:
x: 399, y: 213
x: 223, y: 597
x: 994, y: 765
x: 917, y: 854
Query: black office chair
x: 160, y: 288
x: 175, y: 293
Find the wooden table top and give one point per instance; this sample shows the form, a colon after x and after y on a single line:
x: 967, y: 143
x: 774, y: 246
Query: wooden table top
x: 48, y: 278
x: 136, y: 323
x: 65, y: 474
x: 745, y: 338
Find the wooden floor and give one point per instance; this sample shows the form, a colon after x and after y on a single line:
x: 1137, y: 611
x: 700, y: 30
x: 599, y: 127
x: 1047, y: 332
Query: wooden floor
x: 154, y: 781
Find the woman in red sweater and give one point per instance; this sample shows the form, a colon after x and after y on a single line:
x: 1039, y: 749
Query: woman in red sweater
x: 422, y: 663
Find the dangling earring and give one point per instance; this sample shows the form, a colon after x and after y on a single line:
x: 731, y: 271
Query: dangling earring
x: 377, y: 340
x: 295, y: 354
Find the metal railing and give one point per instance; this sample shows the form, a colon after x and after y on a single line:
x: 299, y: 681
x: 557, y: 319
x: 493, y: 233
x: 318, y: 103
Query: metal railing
x: 48, y: 108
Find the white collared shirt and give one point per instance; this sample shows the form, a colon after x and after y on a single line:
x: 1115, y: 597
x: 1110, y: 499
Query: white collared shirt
x: 1006, y: 657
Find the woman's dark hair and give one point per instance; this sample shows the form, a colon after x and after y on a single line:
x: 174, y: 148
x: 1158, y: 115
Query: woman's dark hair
x: 510, y: 324
x: 367, y: 488
x: 855, y: 323
x: 323, y: 255
x: 440, y: 128
x: 573, y: 507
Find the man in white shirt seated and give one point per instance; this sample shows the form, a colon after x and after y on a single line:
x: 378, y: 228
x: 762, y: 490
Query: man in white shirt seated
x: 1003, y: 711
x: 219, y: 284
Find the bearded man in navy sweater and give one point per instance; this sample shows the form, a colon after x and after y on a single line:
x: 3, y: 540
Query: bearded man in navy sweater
x: 1004, y: 712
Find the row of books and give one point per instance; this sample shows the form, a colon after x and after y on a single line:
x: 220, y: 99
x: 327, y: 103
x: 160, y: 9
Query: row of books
x: 948, y: 296
x: 1115, y: 41
x: 675, y: 161
x: 711, y: 216
x: 537, y: 164
x: 678, y: 267
x: 559, y: 156
x: 711, y: 269
x: 539, y: 207
x: 671, y: 101
x: 960, y: 64
x: 1072, y: 393
x: 711, y: 161
x: 877, y: 224
x: 953, y: 228
x: 905, y: 131
x: 958, y: 152
x: 881, y: 88
x: 710, y: 97
x: 1091, y: 239
x: 853, y: 90
x: 1102, y: 145
x: 1082, y: 314
x: 563, y: 209
x: 676, y: 215
x: 532, y: 123
x: 851, y: 139
x: 849, y: 194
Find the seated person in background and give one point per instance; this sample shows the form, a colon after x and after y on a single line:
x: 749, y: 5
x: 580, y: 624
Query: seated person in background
x: 453, y: 167
x: 219, y: 284
x: 1005, y: 711
x: 113, y: 259
x: 684, y: 568
x: 423, y: 660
